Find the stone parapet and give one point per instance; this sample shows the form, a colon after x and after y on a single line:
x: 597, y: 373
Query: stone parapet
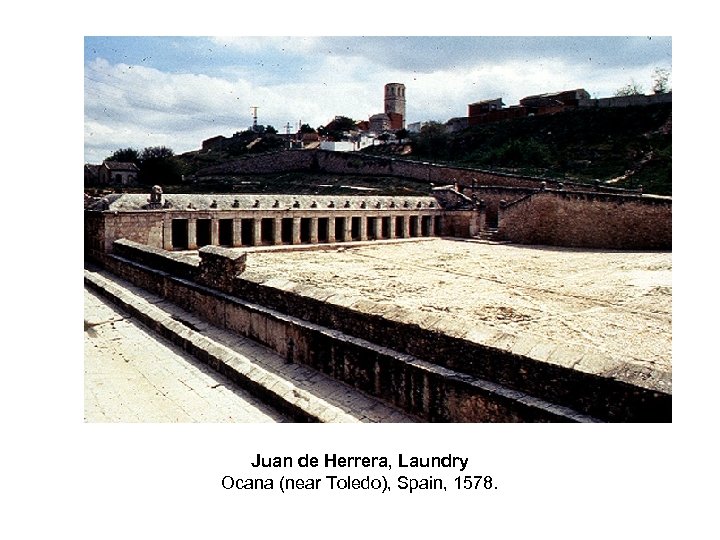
x: 220, y: 266
x: 359, y: 348
x: 175, y: 264
x: 423, y: 388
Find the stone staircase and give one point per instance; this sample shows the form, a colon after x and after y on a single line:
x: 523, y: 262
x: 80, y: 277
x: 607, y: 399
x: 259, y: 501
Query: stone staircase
x: 490, y: 236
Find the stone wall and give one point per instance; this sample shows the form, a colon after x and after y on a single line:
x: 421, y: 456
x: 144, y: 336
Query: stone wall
x: 368, y: 351
x: 627, y: 101
x: 271, y: 162
x: 589, y: 221
x: 566, y: 224
x: 219, y: 267
x: 103, y: 228
x: 461, y: 223
x: 166, y: 261
x: 95, y: 234
x: 429, y: 390
x: 144, y: 228
x: 358, y: 163
x: 599, y: 397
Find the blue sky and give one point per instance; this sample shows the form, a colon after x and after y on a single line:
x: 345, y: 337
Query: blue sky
x: 178, y: 91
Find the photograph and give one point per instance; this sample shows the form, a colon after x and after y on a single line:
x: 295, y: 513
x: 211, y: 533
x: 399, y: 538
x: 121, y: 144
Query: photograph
x: 378, y: 229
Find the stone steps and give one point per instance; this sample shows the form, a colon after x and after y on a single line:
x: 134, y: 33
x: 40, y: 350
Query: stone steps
x: 294, y: 389
x: 489, y: 236
x: 398, y: 381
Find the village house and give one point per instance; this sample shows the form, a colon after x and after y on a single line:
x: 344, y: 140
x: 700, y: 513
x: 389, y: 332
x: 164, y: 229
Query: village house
x: 117, y: 172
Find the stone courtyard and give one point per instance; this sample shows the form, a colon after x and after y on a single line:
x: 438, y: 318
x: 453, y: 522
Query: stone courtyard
x: 607, y: 313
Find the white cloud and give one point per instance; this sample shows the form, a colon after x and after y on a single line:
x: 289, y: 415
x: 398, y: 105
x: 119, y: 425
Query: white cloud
x: 139, y: 106
x: 257, y: 44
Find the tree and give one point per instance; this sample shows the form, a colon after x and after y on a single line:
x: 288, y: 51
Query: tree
x: 270, y: 130
x: 433, y: 140
x: 661, y: 81
x: 336, y: 129
x: 343, y: 123
x: 402, y: 134
x: 159, y: 166
x: 156, y: 152
x: 630, y: 89
x: 305, y: 128
x: 125, y: 155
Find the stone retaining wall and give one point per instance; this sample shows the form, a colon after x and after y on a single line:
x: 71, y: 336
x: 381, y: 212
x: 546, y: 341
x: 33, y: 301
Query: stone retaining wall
x: 430, y: 391
x: 604, y: 398
x: 588, y: 220
x: 332, y: 347
x: 326, y: 161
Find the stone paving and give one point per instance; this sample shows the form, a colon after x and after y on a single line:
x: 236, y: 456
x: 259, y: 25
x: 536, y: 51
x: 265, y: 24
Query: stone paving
x: 602, y: 312
x: 134, y: 376
x: 324, y: 398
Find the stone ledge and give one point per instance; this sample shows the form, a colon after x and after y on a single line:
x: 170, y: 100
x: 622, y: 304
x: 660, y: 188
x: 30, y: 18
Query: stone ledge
x: 300, y: 404
x: 422, y: 388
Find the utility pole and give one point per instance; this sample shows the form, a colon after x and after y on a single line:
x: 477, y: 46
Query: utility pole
x: 254, y: 111
x: 288, y: 140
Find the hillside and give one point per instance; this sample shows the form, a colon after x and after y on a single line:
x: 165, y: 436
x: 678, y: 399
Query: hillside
x: 627, y: 147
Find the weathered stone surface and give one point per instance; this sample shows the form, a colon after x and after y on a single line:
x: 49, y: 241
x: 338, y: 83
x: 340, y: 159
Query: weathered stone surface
x: 498, y: 350
x: 296, y: 390
x: 220, y: 266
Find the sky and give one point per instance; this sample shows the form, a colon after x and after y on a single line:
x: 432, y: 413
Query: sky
x: 178, y: 91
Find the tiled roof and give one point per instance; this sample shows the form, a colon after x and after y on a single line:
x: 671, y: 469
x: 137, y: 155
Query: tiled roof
x: 136, y: 201
x: 120, y: 166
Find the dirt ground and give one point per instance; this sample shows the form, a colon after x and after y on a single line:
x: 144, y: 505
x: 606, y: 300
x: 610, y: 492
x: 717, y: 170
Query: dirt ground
x: 617, y: 305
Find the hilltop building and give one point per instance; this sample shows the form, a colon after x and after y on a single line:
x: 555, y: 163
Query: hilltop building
x: 493, y: 110
x: 395, y: 105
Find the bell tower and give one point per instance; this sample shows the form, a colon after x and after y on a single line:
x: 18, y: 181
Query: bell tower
x: 395, y: 101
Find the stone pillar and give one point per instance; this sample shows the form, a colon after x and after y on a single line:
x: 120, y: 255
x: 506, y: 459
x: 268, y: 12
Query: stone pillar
x: 167, y: 234
x: 237, y: 232
x: 347, y: 229
x: 406, y: 226
x: 277, y: 231
x: 363, y: 228
x: 331, y: 229
x: 313, y: 230
x: 418, y: 227
x: 192, y: 233
x: 482, y: 219
x: 477, y: 220
x: 392, y: 227
x: 215, y: 232
x: 257, y: 232
x: 378, y: 227
x: 296, y: 231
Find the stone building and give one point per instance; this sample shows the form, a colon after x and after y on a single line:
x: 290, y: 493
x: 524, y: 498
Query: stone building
x: 190, y: 221
x: 118, y: 173
x: 379, y: 123
x: 554, y: 102
x: 395, y: 104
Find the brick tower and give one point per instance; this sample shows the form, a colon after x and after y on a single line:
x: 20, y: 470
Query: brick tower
x: 395, y: 104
